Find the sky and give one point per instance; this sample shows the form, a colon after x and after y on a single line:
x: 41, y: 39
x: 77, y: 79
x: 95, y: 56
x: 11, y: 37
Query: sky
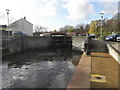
x: 54, y: 14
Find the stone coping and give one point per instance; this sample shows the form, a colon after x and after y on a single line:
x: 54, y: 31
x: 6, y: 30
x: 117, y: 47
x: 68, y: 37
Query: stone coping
x: 82, y: 76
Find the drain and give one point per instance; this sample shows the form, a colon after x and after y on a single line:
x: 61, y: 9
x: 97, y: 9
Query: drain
x: 98, y: 78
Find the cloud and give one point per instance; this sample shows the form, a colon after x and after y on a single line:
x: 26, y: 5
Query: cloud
x: 92, y: 0
x: 47, y: 7
x: 29, y: 7
x: 34, y: 10
x: 18, y: 8
x: 109, y: 8
x: 105, y: 0
x: 41, y: 11
x: 79, y: 10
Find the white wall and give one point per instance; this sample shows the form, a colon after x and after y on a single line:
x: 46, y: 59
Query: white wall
x: 113, y: 53
x: 28, y: 27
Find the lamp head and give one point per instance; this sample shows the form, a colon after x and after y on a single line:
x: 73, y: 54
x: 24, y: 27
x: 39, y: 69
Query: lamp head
x: 7, y: 10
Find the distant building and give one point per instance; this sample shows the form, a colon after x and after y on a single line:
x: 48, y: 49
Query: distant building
x: 112, y: 21
x: 98, y: 22
x: 22, y: 25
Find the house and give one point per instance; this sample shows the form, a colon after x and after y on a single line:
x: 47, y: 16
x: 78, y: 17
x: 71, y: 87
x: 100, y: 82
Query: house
x: 21, y: 25
x: 3, y: 32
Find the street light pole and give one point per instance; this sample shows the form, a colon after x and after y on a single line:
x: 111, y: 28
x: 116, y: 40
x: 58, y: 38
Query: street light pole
x: 8, y: 15
x: 7, y: 10
x: 101, y: 23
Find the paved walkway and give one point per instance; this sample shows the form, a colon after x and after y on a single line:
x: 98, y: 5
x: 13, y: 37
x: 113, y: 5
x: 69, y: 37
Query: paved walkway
x: 102, y: 66
x: 99, y: 70
x: 105, y: 65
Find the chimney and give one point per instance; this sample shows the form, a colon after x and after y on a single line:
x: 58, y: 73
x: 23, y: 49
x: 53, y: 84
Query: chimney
x: 24, y: 18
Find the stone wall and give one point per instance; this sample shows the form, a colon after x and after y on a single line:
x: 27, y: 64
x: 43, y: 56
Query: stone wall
x: 78, y: 43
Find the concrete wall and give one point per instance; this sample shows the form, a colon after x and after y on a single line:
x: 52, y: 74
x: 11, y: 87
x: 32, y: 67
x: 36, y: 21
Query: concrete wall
x: 78, y: 43
x: 38, y: 42
x: 114, y: 52
x: 25, y: 43
x: 81, y: 77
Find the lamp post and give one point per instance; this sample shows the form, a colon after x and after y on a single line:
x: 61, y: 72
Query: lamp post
x: 7, y: 10
x: 101, y: 23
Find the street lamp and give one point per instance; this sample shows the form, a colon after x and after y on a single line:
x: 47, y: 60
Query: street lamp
x: 7, y: 10
x: 101, y: 22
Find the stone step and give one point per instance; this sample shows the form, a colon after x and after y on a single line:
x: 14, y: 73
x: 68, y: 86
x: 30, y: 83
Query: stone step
x: 98, y: 46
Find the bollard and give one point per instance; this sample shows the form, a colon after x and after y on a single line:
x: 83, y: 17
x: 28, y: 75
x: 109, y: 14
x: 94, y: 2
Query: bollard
x: 87, y: 46
x: 87, y: 49
x: 88, y: 52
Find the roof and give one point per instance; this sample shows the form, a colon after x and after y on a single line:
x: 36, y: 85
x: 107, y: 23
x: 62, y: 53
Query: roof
x: 3, y: 27
x: 18, y: 21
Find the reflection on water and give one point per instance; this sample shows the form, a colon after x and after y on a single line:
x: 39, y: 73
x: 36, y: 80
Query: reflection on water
x: 39, y: 69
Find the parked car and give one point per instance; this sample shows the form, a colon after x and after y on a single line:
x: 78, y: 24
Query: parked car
x: 19, y: 33
x: 112, y: 37
x: 118, y: 38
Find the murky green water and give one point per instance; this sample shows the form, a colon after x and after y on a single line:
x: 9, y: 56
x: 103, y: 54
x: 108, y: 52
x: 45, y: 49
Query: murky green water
x: 39, y: 69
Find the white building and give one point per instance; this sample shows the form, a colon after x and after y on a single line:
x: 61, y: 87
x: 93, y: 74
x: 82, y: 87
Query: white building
x: 22, y: 25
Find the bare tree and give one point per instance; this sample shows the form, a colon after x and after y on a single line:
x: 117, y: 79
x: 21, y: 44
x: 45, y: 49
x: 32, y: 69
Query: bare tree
x: 39, y: 30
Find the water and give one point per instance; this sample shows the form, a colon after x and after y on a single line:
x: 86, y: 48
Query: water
x: 39, y: 69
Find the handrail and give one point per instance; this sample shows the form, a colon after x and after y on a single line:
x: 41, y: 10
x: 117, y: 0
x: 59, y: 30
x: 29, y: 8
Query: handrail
x: 12, y: 39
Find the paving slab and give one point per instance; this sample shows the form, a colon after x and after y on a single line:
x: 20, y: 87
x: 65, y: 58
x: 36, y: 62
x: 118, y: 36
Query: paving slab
x: 104, y: 64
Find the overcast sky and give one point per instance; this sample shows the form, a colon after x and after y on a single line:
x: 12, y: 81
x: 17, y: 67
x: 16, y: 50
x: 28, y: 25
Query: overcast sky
x: 57, y: 13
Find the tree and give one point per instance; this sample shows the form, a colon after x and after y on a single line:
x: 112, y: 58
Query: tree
x: 80, y: 28
x: 67, y: 28
x: 61, y: 29
x: 55, y: 31
x: 70, y: 30
x: 93, y: 27
x: 77, y: 26
x: 39, y: 30
x: 87, y: 27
